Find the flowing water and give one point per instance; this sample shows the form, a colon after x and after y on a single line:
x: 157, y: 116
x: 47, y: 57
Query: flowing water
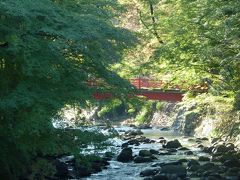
x: 130, y: 171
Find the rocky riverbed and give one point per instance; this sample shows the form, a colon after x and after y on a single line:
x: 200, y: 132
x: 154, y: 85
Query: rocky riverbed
x: 155, y: 154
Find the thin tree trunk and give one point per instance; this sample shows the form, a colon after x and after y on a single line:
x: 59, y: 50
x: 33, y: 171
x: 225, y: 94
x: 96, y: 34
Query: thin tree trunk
x: 154, y: 22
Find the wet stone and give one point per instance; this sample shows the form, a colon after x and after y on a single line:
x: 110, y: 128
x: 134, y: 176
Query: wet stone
x: 145, y: 153
x: 140, y: 159
x: 153, y: 151
x: 177, y: 170
x: 133, y: 142
x: 220, y: 149
x: 125, y: 155
x: 209, y: 166
x: 134, y: 132
x: 162, y: 141
x: 192, y: 162
x: 234, y: 162
x: 203, y: 158
x: 233, y: 171
x: 172, y: 150
x: 230, y: 146
x: 188, y: 153
x: 160, y: 177
x: 214, y: 140
x: 208, y: 149
x: 198, y: 141
x: 153, y: 157
x: 173, y: 144
x: 149, y: 172
x: 182, y: 149
x: 204, y: 139
x: 200, y: 146
x: 171, y: 163
x: 194, y: 168
x: 228, y: 156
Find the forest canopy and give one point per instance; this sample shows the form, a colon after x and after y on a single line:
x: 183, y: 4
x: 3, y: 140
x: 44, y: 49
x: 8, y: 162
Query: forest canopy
x: 187, y: 42
x: 48, y: 50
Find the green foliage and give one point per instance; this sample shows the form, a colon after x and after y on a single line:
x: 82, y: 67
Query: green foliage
x: 200, y: 43
x: 201, y: 40
x: 237, y: 101
x: 202, y: 36
x: 86, y: 161
x: 111, y: 107
x: 42, y: 169
x: 144, y: 115
x: 216, y: 111
x: 48, y: 50
x: 159, y: 105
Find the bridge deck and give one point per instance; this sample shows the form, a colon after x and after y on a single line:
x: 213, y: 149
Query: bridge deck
x: 153, y: 89
x: 149, y: 94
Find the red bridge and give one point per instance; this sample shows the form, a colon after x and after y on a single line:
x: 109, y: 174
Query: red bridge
x: 154, y: 90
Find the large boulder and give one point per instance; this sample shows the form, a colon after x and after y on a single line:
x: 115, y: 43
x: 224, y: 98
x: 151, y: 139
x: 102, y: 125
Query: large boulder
x: 173, y: 144
x: 221, y: 149
x: 125, y: 155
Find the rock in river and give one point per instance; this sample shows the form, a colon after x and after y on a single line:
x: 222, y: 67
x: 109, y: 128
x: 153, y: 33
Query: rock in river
x: 125, y: 155
x: 149, y: 172
x: 203, y: 158
x: 173, y: 144
x: 145, y: 153
x: 177, y: 170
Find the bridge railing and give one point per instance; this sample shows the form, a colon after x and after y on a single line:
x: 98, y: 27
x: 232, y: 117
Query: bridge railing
x: 140, y: 83
x: 146, y: 83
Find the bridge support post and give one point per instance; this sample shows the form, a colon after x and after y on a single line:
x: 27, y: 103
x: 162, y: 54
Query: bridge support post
x: 139, y: 82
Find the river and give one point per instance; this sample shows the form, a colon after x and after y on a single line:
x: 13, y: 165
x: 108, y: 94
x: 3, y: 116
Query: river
x: 131, y: 171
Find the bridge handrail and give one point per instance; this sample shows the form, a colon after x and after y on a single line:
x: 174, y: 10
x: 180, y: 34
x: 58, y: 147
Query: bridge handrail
x: 147, y: 83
